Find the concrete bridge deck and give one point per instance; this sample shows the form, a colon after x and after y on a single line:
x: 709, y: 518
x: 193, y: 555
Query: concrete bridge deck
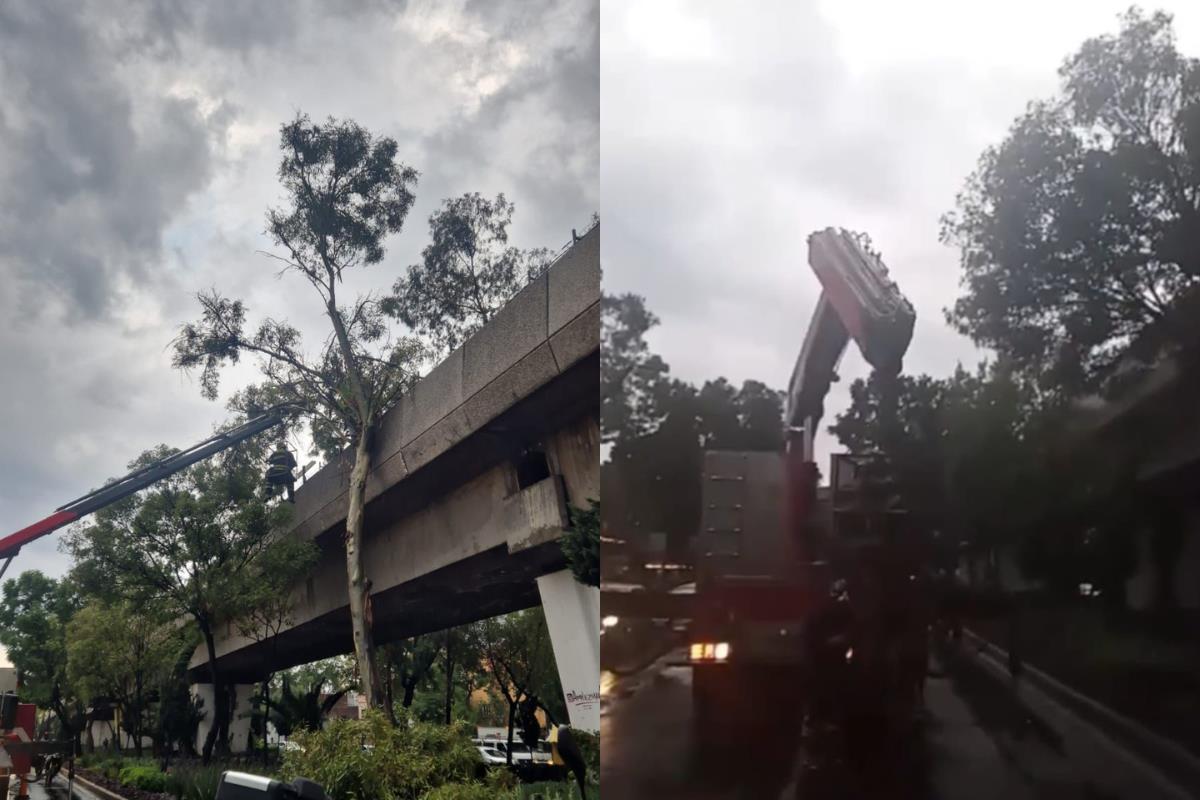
x: 473, y: 473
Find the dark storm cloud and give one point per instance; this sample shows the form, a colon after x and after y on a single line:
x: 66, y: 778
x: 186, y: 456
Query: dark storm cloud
x: 88, y: 182
x: 560, y: 84
x: 140, y: 143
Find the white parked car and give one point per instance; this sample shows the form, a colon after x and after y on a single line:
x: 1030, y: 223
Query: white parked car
x: 491, y: 756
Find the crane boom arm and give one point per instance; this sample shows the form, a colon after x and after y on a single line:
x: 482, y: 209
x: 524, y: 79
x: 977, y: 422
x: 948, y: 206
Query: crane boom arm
x: 135, y: 481
x: 858, y: 301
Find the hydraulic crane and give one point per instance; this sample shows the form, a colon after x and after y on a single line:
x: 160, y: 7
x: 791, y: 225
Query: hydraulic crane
x: 858, y: 301
x: 762, y: 578
x: 141, y: 478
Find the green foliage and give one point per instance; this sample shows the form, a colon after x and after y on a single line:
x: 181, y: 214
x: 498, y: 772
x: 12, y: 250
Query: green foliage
x: 346, y: 192
x: 179, y: 713
x: 589, y: 746
x: 1079, y: 230
x: 192, y: 545
x: 407, y: 664
x: 33, y: 623
x: 548, y: 790
x: 150, y: 779
x: 197, y: 544
x: 630, y: 375
x: 957, y: 449
x: 305, y: 709
x: 497, y: 785
x: 517, y: 652
x: 466, y: 791
x: 117, y: 651
x: 191, y: 782
x: 581, y: 544
x: 371, y: 759
x: 468, y: 271
x: 651, y: 482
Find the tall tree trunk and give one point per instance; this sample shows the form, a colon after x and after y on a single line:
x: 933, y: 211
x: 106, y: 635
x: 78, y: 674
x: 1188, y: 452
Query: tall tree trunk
x: 409, y: 688
x: 217, y: 734
x: 512, y: 718
x: 137, y: 720
x: 359, y: 586
x: 389, y: 693
x: 449, y: 675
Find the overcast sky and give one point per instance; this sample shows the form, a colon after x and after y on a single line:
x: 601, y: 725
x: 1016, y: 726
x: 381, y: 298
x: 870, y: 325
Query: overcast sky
x: 138, y: 150
x: 727, y: 137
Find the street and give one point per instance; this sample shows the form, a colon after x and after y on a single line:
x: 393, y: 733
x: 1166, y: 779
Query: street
x: 975, y: 742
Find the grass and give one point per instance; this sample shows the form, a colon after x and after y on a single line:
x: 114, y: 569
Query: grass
x: 551, y: 790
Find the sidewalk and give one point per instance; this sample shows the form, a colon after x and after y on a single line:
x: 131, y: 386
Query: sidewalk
x: 1118, y: 755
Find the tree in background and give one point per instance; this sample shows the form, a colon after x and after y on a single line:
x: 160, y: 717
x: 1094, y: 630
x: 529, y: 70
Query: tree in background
x: 194, y: 545
x: 268, y: 608
x: 123, y: 653
x: 467, y: 273
x: 518, y: 655
x: 406, y: 664
x: 306, y: 707
x: 179, y: 713
x: 462, y: 653
x: 652, y: 481
x: 346, y: 191
x: 1082, y: 227
x: 631, y: 377
x: 33, y: 629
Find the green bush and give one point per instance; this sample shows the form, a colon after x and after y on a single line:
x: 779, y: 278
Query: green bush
x: 498, y: 786
x: 589, y: 745
x: 550, y: 790
x: 194, y: 782
x: 371, y: 759
x: 151, y: 779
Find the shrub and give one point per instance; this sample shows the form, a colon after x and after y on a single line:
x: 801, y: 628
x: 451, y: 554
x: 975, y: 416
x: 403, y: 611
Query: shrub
x: 194, y: 782
x: 151, y: 779
x: 589, y: 745
x: 371, y: 759
x: 497, y: 785
x: 552, y: 790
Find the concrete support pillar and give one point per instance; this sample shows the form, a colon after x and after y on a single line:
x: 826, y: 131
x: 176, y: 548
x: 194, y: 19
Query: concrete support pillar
x: 204, y: 693
x: 573, y: 617
x: 239, y: 721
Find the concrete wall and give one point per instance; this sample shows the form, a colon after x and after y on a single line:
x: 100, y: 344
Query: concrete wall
x: 106, y: 734
x: 239, y: 722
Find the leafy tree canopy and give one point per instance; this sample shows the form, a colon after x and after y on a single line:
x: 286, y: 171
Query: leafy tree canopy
x: 1082, y: 227
x: 468, y: 271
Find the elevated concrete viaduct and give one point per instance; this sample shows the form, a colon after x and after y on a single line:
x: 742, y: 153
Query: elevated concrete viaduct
x: 474, y: 473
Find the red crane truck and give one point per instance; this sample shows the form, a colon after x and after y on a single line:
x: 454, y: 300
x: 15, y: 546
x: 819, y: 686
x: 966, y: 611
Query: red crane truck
x: 774, y: 563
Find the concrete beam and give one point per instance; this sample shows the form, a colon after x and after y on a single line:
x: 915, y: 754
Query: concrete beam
x: 550, y: 327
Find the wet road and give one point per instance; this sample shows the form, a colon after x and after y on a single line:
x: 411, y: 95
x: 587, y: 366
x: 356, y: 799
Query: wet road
x: 975, y: 742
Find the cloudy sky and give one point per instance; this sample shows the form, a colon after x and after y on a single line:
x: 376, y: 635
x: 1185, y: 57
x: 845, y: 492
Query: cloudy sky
x: 727, y: 137
x: 138, y: 149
